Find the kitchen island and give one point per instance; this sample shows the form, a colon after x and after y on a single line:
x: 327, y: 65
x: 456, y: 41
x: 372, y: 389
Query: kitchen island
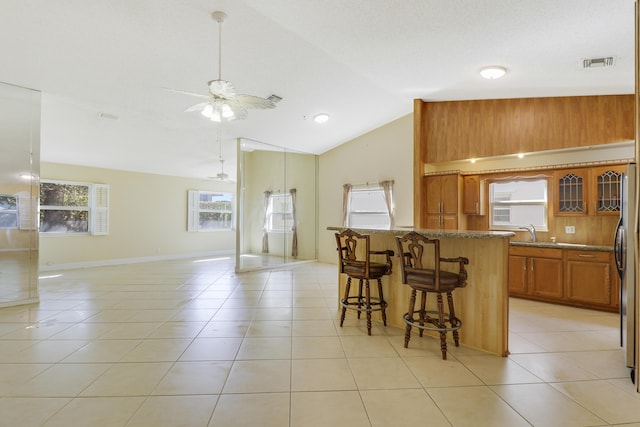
x: 483, y: 305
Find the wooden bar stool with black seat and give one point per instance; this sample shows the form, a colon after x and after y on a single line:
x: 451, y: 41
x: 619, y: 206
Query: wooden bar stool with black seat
x: 355, y: 261
x: 425, y: 275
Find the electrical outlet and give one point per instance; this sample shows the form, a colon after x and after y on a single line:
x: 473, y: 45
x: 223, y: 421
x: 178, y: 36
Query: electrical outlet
x: 570, y: 229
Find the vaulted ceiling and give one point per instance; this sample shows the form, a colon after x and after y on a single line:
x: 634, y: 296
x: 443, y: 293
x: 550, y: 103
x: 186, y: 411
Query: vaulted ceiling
x: 106, y: 67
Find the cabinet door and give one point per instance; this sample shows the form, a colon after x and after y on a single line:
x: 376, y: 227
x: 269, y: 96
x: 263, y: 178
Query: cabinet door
x: 517, y: 275
x: 606, y: 190
x: 571, y: 189
x: 588, y: 278
x: 449, y: 222
x: 434, y: 222
x: 472, y: 196
x: 449, y: 194
x: 434, y: 185
x: 545, y: 277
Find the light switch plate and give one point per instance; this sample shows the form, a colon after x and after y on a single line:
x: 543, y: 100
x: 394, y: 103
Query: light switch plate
x: 570, y: 229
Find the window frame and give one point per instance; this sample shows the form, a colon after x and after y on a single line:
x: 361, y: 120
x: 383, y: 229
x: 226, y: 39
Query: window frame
x: 97, y: 209
x: 194, y: 209
x: 287, y: 213
x: 504, y: 204
x: 15, y: 212
x: 351, y: 210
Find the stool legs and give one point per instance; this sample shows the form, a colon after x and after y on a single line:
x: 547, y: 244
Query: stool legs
x: 454, y: 319
x: 384, y: 311
x: 441, y: 324
x: 407, y: 331
x: 345, y: 300
x: 363, y: 301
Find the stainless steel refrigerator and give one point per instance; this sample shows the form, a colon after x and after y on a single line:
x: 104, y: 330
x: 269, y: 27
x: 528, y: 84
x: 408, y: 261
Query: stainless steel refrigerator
x: 624, y: 253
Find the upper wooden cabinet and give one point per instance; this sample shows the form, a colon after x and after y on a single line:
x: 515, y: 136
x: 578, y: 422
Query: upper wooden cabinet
x: 605, y: 195
x: 571, y: 191
x: 473, y: 195
x: 441, y: 201
x: 588, y: 191
x: 457, y: 130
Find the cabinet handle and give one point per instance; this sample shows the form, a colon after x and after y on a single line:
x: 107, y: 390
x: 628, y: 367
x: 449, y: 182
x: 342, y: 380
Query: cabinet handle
x: 440, y: 208
x: 532, y: 264
x: 524, y: 264
x: 586, y: 256
x: 477, y: 210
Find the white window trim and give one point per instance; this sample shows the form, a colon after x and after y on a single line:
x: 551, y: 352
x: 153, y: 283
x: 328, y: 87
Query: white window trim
x: 508, y: 203
x: 193, y: 212
x: 271, y: 212
x: 98, y: 209
x: 17, y: 211
x: 357, y: 188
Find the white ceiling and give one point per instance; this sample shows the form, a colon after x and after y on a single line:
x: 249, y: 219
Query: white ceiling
x: 361, y: 61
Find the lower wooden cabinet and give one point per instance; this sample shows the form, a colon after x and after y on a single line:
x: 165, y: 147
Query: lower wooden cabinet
x: 535, y: 272
x: 588, y: 278
x: 579, y: 278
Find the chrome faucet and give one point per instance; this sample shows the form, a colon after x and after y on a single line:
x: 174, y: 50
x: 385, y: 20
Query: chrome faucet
x: 531, y: 229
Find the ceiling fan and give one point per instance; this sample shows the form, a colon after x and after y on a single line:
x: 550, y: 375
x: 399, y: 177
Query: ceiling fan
x: 220, y: 176
x: 223, y: 104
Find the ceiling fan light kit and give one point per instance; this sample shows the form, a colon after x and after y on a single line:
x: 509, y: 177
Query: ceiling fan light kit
x: 223, y: 103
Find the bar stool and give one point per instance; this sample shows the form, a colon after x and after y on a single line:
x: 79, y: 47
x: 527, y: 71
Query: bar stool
x: 427, y: 277
x: 355, y: 261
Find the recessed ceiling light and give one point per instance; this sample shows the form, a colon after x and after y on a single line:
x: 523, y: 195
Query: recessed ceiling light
x: 493, y: 72
x: 321, y: 118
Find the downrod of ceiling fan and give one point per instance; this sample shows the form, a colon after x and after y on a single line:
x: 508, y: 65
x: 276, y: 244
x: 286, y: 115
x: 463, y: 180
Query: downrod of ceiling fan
x: 219, y: 17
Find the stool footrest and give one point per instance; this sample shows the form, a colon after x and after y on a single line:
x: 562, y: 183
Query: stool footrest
x: 432, y: 320
x: 358, y: 303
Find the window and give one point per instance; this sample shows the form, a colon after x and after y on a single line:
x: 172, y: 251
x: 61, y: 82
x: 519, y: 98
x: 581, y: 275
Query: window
x: 74, y: 208
x: 280, y: 213
x: 518, y: 203
x: 367, y: 208
x: 210, y: 211
x: 8, y: 211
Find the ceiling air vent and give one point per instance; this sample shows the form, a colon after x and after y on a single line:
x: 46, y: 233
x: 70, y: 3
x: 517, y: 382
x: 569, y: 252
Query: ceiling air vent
x: 597, y: 62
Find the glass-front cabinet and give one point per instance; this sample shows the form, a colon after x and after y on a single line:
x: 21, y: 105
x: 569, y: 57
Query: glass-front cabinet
x: 588, y: 191
x: 571, y: 191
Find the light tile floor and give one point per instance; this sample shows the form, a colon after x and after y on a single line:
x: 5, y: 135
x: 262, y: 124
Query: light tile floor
x: 184, y: 343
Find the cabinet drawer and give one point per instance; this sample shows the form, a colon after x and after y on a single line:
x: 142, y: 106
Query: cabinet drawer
x: 588, y: 256
x: 535, y: 252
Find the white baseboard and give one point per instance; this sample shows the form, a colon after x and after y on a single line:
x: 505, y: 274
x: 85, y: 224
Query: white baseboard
x: 120, y: 261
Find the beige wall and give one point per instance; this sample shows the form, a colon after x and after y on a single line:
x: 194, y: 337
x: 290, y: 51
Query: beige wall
x: 148, y: 219
x: 384, y: 153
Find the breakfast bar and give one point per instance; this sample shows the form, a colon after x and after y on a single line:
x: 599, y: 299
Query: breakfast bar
x: 483, y: 305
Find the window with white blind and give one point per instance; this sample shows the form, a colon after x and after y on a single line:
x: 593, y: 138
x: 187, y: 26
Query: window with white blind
x: 71, y: 208
x: 280, y: 213
x: 368, y: 208
x: 518, y: 203
x: 209, y: 211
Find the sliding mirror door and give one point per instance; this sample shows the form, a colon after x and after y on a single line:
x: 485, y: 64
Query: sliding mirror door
x: 277, y: 193
x: 19, y: 188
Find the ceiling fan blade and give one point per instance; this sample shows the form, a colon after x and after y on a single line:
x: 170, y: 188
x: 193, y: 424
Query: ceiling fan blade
x: 250, y: 101
x: 197, y: 107
x: 184, y: 92
x: 222, y: 88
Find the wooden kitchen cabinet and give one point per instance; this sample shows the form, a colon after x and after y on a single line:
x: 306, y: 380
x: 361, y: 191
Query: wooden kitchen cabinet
x: 442, y: 192
x: 588, y: 191
x: 581, y: 278
x: 605, y: 194
x: 473, y: 195
x: 571, y: 190
x: 536, y: 272
x: 589, y: 278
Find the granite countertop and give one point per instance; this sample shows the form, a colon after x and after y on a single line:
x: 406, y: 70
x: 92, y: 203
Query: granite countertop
x: 460, y: 234
x: 572, y: 246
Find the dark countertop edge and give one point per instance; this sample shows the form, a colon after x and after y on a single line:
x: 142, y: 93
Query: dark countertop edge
x: 593, y: 248
x: 459, y: 234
